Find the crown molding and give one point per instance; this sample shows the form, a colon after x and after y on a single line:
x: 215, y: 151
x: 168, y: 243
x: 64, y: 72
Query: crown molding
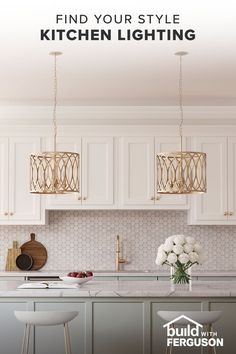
x: 117, y: 115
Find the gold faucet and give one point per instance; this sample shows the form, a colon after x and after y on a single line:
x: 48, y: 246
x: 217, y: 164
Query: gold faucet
x: 119, y: 260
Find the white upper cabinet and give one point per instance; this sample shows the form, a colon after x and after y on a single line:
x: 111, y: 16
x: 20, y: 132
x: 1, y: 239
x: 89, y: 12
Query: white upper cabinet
x: 231, y: 210
x: 137, y: 170
x: 138, y: 174
x: 212, y: 207
x: 3, y: 179
x: 97, y: 171
x: 96, y: 174
x: 18, y: 205
x: 169, y: 144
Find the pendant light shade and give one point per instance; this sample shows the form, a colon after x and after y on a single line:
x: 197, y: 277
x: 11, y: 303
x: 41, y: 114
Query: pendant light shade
x: 181, y: 172
x: 54, y: 172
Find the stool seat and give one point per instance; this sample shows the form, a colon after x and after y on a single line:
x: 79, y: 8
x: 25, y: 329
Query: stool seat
x: 45, y: 318
x: 202, y: 317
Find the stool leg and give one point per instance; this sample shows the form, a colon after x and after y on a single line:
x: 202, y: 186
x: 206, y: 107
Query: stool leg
x: 27, y: 340
x: 68, y: 338
x: 65, y: 338
x: 24, y: 339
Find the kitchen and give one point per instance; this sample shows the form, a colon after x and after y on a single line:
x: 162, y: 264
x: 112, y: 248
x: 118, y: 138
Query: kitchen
x: 112, y: 116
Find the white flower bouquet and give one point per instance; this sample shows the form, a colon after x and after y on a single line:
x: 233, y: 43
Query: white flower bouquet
x: 180, y: 253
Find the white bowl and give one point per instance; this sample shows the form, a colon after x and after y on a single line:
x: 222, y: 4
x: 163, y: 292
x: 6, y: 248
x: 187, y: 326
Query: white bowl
x: 73, y: 280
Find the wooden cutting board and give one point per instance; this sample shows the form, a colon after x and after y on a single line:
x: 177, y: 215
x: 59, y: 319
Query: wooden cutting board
x: 12, y: 254
x: 37, y: 251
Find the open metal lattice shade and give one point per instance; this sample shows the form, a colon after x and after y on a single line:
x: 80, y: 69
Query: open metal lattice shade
x: 181, y: 172
x: 54, y: 172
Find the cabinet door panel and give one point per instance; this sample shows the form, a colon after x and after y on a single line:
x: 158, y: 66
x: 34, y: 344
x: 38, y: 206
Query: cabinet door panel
x: 137, y: 170
x: 118, y: 328
x: 71, y: 144
x: 210, y: 207
x: 165, y: 144
x: 51, y: 340
x: 232, y: 178
x: 23, y: 205
x: 3, y: 178
x: 225, y: 327
x: 97, y: 171
x: 11, y: 330
x: 159, y: 333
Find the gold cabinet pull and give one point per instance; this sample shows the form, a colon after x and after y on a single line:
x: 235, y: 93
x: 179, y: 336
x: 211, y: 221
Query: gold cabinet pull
x: 231, y: 213
x: 152, y: 198
x: 158, y: 197
x: 6, y: 213
x: 226, y: 213
x: 11, y: 213
x: 79, y: 198
x: 84, y: 198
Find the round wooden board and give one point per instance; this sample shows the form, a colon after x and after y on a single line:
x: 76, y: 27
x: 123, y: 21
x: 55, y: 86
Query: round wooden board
x: 37, y: 251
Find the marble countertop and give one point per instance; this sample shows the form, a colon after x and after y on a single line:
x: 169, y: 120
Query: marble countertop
x: 104, y: 273
x: 123, y: 289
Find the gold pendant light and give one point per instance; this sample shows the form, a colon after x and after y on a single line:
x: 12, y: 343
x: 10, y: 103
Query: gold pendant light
x: 181, y: 172
x: 54, y: 172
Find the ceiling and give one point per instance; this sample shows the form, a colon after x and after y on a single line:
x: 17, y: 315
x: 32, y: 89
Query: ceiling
x: 118, y: 72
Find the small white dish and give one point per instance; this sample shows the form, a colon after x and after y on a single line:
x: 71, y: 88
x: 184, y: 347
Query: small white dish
x: 73, y: 280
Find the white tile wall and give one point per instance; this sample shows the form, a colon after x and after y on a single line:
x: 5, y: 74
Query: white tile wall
x: 86, y: 239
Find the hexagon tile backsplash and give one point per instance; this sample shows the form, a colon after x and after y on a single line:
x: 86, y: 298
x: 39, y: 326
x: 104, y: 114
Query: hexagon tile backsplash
x: 86, y: 239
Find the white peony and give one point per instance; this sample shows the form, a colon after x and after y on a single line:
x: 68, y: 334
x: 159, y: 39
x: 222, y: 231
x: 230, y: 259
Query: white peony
x: 178, y: 249
x: 190, y: 239
x: 168, y: 246
x: 172, y: 258
x: 183, y: 258
x: 197, y: 247
x: 193, y: 257
x: 161, y: 248
x: 179, y: 239
x: 161, y: 258
x: 188, y: 247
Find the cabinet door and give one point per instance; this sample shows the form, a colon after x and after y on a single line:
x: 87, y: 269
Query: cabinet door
x: 4, y: 178
x: 97, y: 171
x: 232, y: 179
x: 209, y: 208
x: 158, y: 335
x: 23, y: 206
x: 68, y: 200
x: 164, y: 144
x: 11, y: 330
x: 137, y: 170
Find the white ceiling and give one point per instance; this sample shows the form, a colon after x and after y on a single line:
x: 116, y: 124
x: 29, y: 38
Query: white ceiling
x: 118, y: 73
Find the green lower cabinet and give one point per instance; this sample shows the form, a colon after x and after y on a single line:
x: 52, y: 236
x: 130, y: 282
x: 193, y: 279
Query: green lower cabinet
x: 158, y: 333
x: 225, y: 327
x: 118, y: 327
x: 50, y: 340
x: 11, y: 330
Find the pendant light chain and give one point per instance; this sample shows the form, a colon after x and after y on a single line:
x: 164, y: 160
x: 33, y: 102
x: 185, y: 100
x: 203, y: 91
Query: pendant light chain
x: 55, y: 102
x: 181, y: 103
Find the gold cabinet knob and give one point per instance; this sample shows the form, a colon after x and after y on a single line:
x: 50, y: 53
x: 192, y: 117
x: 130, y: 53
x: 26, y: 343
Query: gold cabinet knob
x: 225, y: 213
x: 152, y: 198
x: 231, y: 213
x: 6, y: 213
x: 158, y: 197
x: 11, y: 213
x: 79, y: 198
x: 84, y: 198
